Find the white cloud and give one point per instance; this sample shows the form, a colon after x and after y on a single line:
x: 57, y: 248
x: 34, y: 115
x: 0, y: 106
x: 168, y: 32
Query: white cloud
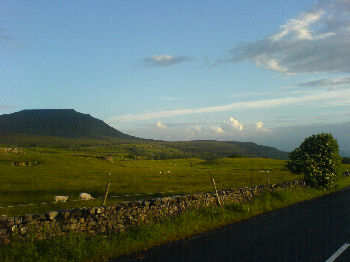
x: 300, y: 27
x: 162, y: 58
x: 169, y: 98
x: 234, y: 124
x: 165, y: 60
x: 160, y: 125
x: 217, y: 129
x: 260, y: 127
x: 271, y: 64
x: 315, y: 41
x: 335, y: 96
x: 259, y: 124
x: 198, y: 128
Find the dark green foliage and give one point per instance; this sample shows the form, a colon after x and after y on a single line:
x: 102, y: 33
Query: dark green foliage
x: 345, y: 160
x: 318, y: 158
x: 235, y: 156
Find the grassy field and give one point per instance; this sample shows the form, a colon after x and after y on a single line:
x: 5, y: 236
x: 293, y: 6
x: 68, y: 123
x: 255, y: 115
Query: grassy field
x: 57, y: 171
x: 36, y: 175
x: 101, y: 248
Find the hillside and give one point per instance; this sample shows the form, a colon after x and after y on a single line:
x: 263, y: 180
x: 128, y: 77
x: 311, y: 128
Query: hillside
x: 58, y: 123
x: 213, y: 149
x: 71, y: 129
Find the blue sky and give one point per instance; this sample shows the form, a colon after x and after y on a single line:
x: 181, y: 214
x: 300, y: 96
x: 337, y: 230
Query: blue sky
x: 181, y: 70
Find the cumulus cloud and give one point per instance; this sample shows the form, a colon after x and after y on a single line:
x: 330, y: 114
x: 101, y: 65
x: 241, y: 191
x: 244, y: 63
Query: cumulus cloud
x: 165, y: 60
x: 315, y: 41
x: 234, y: 124
x: 160, y: 125
x: 259, y: 125
x: 198, y: 128
x: 327, y: 83
x: 217, y: 129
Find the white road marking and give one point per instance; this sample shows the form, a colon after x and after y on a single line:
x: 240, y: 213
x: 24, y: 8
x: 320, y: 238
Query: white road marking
x: 338, y: 252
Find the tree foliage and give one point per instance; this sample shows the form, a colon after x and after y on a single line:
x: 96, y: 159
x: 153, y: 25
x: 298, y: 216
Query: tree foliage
x: 318, y: 159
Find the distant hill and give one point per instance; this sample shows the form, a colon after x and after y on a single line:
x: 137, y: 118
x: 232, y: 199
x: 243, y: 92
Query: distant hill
x: 211, y: 149
x: 58, y: 123
x: 68, y: 128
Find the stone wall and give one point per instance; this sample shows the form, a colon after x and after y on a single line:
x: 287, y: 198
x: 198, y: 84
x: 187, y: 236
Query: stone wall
x: 120, y: 216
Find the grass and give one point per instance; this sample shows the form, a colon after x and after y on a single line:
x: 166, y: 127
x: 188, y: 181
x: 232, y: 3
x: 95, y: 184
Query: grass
x: 72, y: 171
x: 100, y: 248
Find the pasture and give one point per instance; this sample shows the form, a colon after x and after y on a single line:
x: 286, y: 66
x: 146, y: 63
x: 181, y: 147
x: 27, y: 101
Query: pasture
x: 30, y: 179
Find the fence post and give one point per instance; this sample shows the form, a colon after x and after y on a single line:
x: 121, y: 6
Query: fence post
x: 268, y: 177
x: 106, y: 193
x: 216, y: 192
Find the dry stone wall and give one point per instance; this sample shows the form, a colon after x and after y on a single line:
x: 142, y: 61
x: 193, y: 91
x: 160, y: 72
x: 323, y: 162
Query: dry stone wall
x: 121, y: 216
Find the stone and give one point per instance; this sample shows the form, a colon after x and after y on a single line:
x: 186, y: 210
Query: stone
x: 28, y: 218
x: 99, y: 210
x: 23, y: 231
x: 64, y: 214
x: 14, y: 228
x: 52, y: 215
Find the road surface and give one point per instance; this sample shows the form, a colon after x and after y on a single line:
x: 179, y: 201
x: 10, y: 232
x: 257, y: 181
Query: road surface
x: 316, y: 230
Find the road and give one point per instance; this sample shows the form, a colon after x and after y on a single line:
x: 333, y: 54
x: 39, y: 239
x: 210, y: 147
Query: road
x: 309, y: 231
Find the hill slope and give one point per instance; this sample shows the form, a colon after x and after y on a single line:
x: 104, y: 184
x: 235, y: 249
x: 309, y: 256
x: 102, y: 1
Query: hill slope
x: 58, y: 123
x: 212, y: 149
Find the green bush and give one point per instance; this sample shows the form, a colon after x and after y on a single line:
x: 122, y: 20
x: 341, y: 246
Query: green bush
x: 345, y: 160
x: 318, y: 158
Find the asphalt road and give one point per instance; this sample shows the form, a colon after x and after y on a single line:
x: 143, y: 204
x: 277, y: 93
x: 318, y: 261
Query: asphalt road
x: 309, y: 231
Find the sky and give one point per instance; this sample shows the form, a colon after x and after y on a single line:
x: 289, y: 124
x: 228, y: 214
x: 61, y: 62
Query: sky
x: 269, y: 72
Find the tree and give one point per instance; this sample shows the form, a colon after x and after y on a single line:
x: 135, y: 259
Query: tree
x: 318, y: 158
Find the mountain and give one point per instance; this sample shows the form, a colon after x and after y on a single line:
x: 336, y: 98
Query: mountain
x: 68, y: 128
x: 58, y: 123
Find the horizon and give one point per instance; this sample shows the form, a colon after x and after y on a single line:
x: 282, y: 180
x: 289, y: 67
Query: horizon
x: 344, y: 153
x: 178, y: 71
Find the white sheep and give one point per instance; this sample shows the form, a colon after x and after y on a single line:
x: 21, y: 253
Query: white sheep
x: 85, y: 196
x: 61, y: 199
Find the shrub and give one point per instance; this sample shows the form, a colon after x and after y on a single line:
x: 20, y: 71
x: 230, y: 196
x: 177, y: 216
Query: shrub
x: 318, y: 158
x: 345, y: 160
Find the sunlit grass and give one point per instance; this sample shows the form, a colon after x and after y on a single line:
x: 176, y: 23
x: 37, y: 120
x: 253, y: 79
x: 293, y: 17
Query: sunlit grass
x: 99, y: 248
x: 67, y: 172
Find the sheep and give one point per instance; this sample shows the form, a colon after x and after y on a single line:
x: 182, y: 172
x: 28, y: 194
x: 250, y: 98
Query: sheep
x: 85, y: 196
x: 61, y: 199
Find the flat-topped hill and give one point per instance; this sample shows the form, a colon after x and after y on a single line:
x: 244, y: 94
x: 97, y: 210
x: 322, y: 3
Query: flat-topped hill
x: 57, y: 122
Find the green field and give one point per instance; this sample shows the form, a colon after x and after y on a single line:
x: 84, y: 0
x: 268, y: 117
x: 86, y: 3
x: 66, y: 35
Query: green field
x: 57, y: 171
x: 35, y: 175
